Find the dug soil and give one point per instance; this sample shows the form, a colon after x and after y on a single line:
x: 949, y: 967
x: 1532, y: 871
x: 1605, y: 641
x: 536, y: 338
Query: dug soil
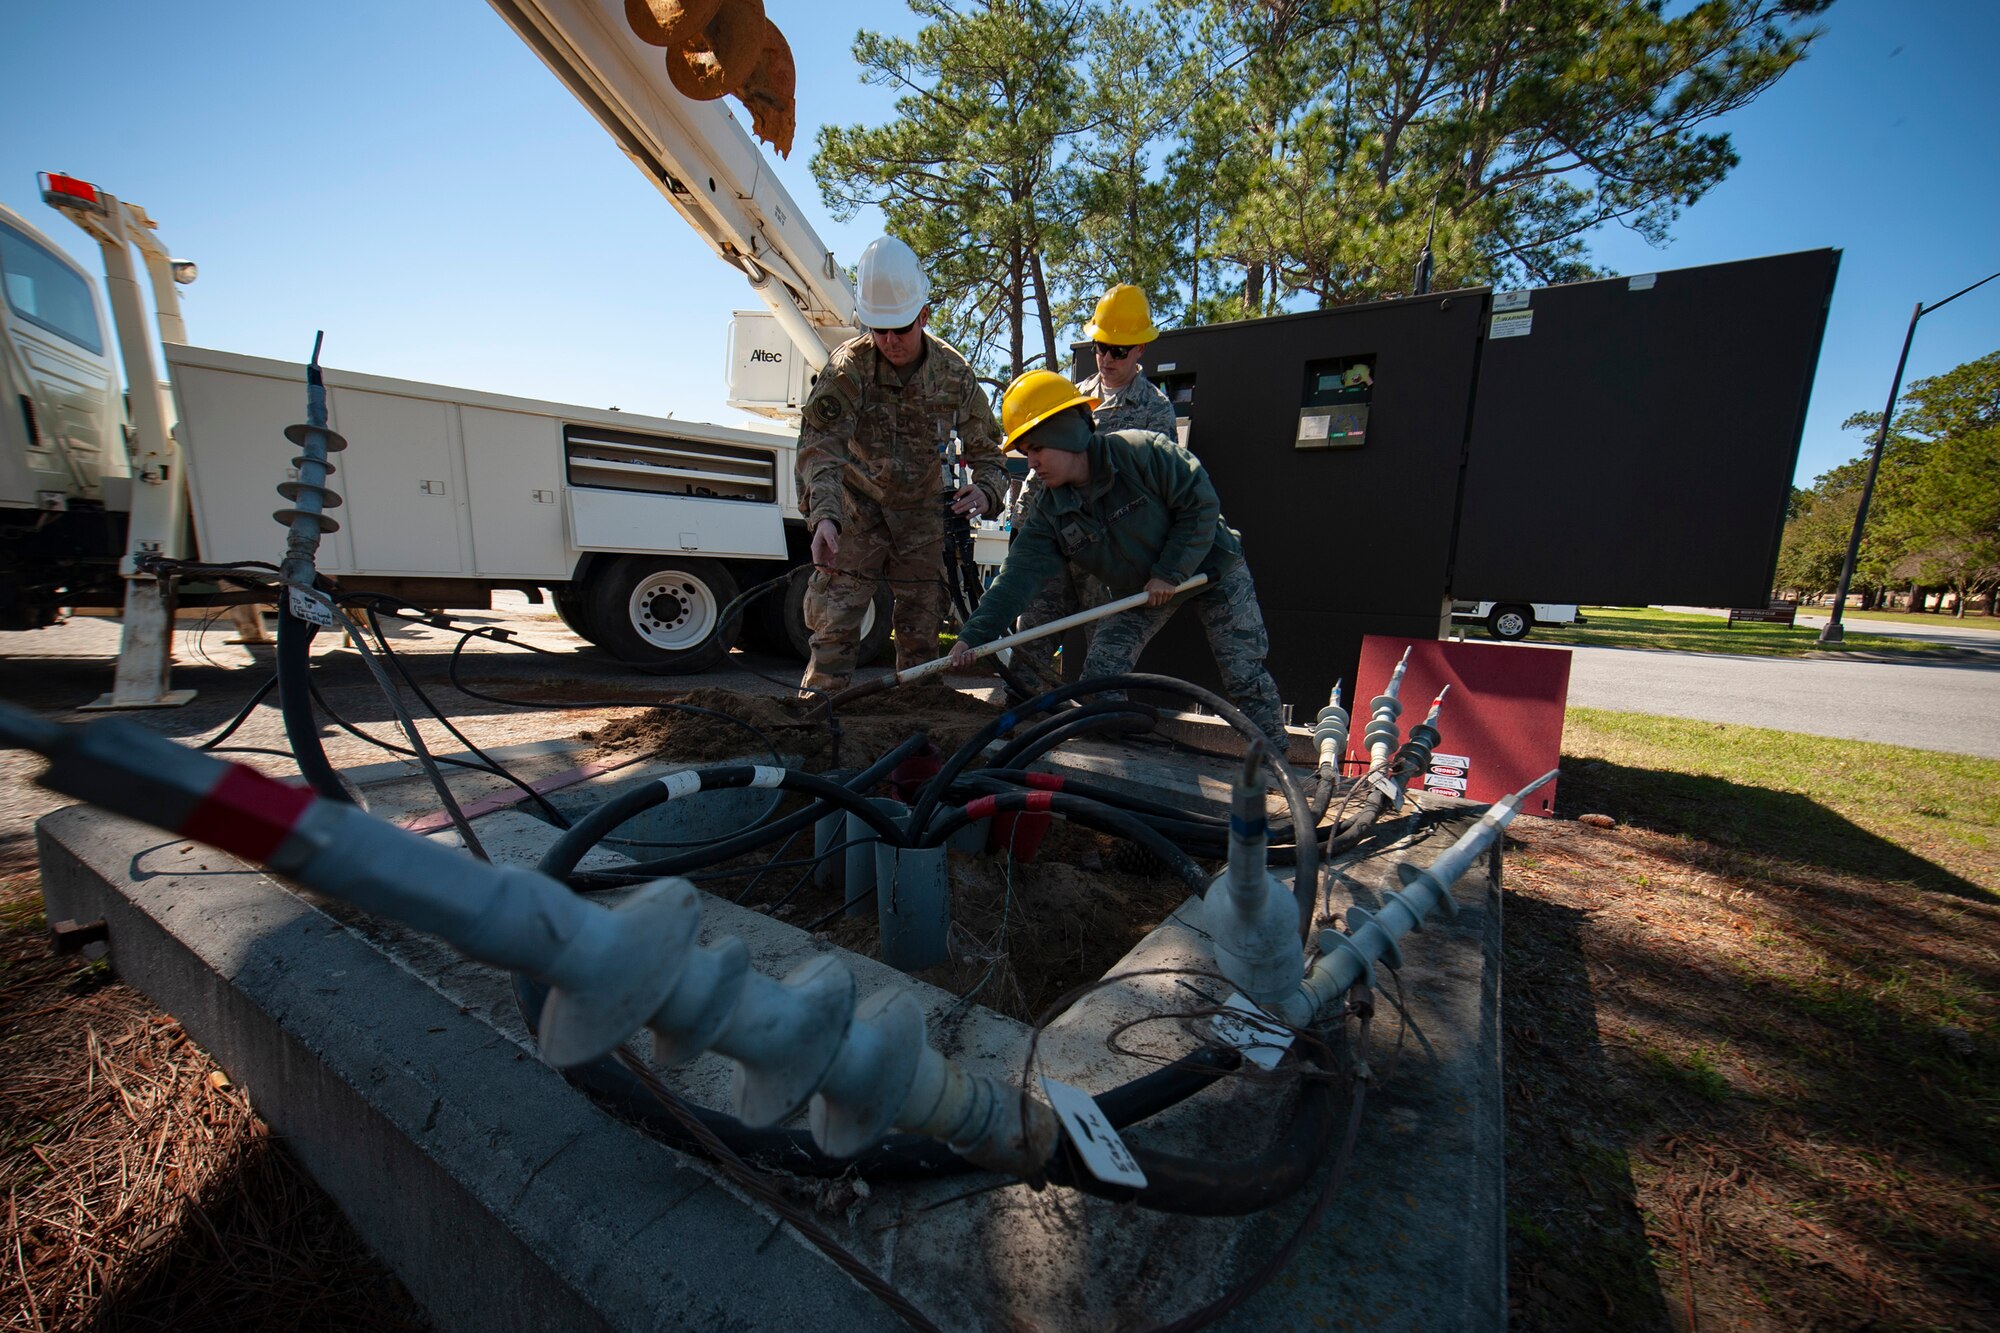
x: 709, y: 725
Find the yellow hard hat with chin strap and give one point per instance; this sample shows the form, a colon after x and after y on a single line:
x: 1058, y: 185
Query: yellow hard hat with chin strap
x: 1035, y: 397
x: 1122, y: 318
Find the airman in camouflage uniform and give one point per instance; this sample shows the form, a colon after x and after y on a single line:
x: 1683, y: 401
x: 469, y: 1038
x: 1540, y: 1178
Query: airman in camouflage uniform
x: 1139, y: 512
x: 870, y: 448
x: 1140, y: 405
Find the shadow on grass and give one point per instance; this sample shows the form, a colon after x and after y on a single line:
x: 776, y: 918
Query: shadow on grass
x: 1753, y: 820
x: 1794, y: 1056
x: 1577, y: 1252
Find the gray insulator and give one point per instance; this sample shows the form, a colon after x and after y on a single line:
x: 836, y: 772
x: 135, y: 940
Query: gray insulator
x: 913, y: 905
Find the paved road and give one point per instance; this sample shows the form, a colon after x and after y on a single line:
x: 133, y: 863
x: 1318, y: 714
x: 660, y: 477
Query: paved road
x: 1948, y: 630
x: 1954, y: 706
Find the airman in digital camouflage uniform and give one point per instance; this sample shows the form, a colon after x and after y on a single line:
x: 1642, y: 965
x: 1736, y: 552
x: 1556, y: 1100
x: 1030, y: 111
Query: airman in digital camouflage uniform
x: 1119, y: 330
x: 869, y: 469
x: 1138, y: 511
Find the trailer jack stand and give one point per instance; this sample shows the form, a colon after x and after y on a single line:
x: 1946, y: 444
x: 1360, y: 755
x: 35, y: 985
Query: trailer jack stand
x: 145, y: 651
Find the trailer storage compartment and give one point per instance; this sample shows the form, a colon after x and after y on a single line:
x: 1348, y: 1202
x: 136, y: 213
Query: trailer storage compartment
x: 440, y: 482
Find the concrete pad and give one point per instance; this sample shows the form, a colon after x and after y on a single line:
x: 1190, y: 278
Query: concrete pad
x: 403, y: 1077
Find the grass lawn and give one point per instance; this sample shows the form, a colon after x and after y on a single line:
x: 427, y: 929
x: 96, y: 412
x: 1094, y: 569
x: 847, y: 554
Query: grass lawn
x: 1750, y: 1035
x: 1684, y: 632
x: 1917, y: 815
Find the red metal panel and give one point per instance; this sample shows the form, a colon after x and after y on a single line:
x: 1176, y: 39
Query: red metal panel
x: 1504, y: 714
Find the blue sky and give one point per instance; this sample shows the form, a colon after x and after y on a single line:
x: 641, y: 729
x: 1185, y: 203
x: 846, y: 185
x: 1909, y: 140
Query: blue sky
x: 410, y: 178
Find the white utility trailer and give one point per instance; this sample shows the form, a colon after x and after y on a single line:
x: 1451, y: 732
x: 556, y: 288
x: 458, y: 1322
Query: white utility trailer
x: 642, y: 528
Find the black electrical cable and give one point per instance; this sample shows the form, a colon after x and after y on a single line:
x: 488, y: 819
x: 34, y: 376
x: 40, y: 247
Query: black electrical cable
x: 957, y: 761
x: 1283, y: 1255
x: 775, y: 863
x: 1089, y: 813
x: 1192, y: 837
x: 295, y: 638
x: 490, y: 634
x: 1124, y: 800
x: 1204, y: 1187
x: 1305, y: 882
x: 559, y: 862
x: 556, y: 816
x: 395, y: 660
x: 242, y: 714
x: 1050, y: 732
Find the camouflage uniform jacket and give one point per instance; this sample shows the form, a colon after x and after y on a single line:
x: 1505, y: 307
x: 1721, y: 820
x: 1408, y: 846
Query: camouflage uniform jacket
x: 1148, y: 511
x: 868, y: 445
x: 1140, y: 405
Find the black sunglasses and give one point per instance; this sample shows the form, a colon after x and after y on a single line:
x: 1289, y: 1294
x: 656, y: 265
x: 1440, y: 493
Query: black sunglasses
x: 897, y: 332
x: 1113, y: 350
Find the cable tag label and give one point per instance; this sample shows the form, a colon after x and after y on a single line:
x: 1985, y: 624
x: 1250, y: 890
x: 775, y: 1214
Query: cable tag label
x: 763, y: 775
x: 1383, y: 783
x: 310, y: 608
x: 1104, y: 1154
x: 681, y: 784
x: 1262, y: 1038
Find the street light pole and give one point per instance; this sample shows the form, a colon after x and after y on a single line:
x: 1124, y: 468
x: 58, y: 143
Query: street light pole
x: 1832, y: 631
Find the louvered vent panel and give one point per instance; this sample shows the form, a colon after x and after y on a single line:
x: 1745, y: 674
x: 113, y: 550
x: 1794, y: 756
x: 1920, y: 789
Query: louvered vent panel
x: 669, y: 465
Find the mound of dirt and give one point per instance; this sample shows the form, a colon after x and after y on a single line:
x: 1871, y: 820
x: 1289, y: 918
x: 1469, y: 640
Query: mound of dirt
x: 712, y: 725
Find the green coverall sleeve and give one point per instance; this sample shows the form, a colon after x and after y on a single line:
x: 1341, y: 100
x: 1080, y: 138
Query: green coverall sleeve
x: 1182, y: 483
x: 1033, y: 558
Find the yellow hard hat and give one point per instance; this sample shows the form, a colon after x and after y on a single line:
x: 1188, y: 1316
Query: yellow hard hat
x: 1122, y: 318
x: 1035, y: 397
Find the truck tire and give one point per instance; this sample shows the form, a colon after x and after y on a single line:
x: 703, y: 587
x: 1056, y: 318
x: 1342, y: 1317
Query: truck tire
x: 569, y: 603
x: 874, y: 623
x: 764, y: 620
x: 1510, y: 621
x: 661, y: 611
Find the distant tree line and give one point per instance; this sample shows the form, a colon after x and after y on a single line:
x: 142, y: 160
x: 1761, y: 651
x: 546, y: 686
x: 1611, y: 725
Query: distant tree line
x: 1934, y: 520
x: 1236, y: 158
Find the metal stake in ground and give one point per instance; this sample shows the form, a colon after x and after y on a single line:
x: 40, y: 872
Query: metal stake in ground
x: 1058, y: 626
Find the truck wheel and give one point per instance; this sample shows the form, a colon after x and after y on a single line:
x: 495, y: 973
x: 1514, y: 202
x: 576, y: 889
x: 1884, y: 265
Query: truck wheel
x: 569, y: 604
x: 874, y: 621
x: 1510, y: 621
x: 661, y: 611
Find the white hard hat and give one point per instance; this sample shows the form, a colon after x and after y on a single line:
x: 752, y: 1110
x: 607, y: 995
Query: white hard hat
x: 893, y: 287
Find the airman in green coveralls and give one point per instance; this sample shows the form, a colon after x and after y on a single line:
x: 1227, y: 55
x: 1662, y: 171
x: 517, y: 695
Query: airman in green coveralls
x: 1138, y: 511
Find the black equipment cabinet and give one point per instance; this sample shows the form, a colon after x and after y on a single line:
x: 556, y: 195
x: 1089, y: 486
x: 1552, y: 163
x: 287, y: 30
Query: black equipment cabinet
x: 1625, y: 441
x: 1637, y: 445
x: 1321, y: 518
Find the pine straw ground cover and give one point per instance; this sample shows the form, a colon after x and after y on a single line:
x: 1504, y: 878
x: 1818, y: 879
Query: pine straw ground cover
x: 1752, y: 1067
x: 142, y: 1192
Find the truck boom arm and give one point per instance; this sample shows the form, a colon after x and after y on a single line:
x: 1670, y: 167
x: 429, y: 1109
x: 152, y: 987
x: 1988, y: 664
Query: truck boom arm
x: 700, y: 157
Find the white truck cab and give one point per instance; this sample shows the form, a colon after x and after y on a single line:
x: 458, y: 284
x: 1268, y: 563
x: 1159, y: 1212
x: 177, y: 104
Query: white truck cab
x: 1513, y: 620
x: 62, y: 437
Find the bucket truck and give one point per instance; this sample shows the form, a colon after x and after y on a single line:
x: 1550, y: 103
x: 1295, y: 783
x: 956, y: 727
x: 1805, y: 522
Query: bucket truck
x: 642, y: 529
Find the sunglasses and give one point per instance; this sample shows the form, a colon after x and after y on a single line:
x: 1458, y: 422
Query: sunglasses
x: 896, y: 332
x: 1112, y: 350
